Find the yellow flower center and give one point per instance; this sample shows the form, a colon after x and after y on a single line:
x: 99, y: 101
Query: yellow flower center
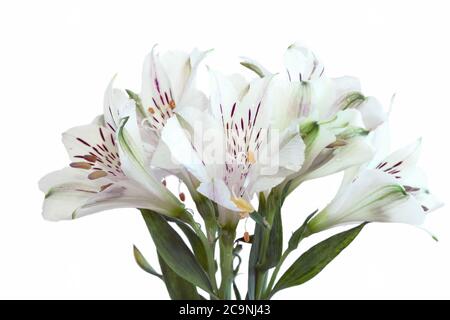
x: 243, y: 205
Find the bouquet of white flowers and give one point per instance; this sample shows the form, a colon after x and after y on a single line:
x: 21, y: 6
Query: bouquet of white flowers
x: 239, y: 150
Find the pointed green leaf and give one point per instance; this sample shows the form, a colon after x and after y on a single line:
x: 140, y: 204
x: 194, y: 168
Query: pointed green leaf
x: 315, y: 259
x: 142, y: 262
x: 194, y: 240
x: 178, y: 288
x: 175, y: 252
x: 300, y: 233
x: 275, y: 248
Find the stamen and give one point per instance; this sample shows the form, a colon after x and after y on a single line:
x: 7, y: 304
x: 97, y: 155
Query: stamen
x: 151, y: 110
x: 90, y: 158
x: 106, y: 186
x: 251, y: 157
x: 246, y: 237
x: 182, y: 196
x: 81, y: 165
x: 96, y: 175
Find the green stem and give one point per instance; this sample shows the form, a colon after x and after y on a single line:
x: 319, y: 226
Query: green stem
x: 271, y: 208
x: 266, y: 294
x: 226, y: 262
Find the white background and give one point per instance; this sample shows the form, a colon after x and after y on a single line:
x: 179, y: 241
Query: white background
x: 56, y: 58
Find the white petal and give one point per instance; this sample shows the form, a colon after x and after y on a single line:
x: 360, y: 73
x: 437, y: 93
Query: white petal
x: 372, y: 113
x: 284, y: 100
x: 89, y: 139
x: 402, y: 161
x: 355, y: 153
x: 136, y: 165
x: 373, y: 196
x: 69, y: 194
x: 218, y: 191
x: 114, y: 101
x: 174, y: 136
x: 265, y: 184
x: 225, y: 92
x: 302, y: 64
x: 155, y: 81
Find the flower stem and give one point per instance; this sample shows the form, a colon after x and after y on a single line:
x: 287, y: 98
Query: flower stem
x: 226, y: 262
x: 266, y: 294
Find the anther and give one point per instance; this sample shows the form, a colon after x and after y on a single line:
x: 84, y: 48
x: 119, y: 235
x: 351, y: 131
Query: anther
x: 81, y: 165
x: 96, y: 175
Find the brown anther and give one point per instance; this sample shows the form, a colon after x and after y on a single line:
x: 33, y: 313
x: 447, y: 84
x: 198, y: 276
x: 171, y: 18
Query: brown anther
x: 164, y: 183
x: 246, y: 236
x: 80, y: 165
x: 172, y: 104
x: 90, y: 158
x: 182, y: 196
x: 97, y: 175
x: 151, y: 110
x: 106, y: 186
x: 251, y: 157
x: 337, y: 143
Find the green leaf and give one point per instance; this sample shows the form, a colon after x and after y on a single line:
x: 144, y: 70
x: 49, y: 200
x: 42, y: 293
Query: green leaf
x: 254, y: 251
x: 178, y: 288
x: 194, y: 240
x: 175, y: 252
x: 300, y: 233
x: 315, y: 259
x: 274, y: 249
x: 142, y: 262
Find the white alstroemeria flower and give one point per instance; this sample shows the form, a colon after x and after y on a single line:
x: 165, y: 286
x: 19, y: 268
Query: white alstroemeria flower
x: 393, y: 191
x: 322, y: 97
x: 243, y: 160
x: 168, y: 86
x: 107, y: 170
x: 168, y: 89
x: 332, y: 146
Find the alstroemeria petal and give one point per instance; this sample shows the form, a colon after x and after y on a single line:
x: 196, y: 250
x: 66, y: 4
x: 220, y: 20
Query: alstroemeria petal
x: 372, y: 113
x: 136, y: 165
x: 69, y: 194
x: 181, y: 69
x: 372, y: 196
x: 218, y: 191
x: 114, y: 101
x: 354, y: 153
x: 400, y: 162
x: 226, y: 92
x: 284, y: 99
x: 302, y: 64
x: 181, y: 149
